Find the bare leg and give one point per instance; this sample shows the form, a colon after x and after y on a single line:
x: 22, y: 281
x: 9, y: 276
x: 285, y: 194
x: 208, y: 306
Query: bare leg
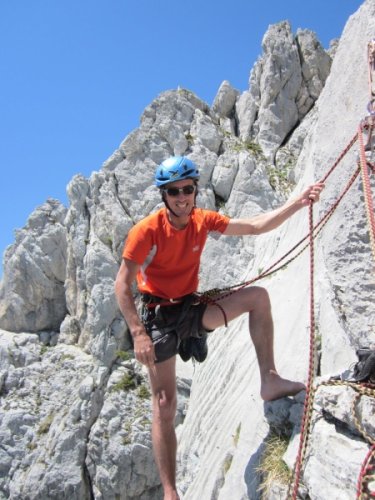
x: 164, y: 401
x: 255, y: 301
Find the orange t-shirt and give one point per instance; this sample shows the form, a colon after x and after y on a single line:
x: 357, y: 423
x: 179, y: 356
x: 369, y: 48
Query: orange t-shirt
x: 170, y: 258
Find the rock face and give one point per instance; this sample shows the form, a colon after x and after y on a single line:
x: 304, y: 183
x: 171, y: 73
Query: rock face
x: 32, y: 292
x: 284, y: 84
x: 75, y: 420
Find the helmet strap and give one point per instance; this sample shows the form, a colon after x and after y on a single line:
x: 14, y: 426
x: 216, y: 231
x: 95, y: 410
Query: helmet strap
x: 169, y: 208
x: 163, y: 197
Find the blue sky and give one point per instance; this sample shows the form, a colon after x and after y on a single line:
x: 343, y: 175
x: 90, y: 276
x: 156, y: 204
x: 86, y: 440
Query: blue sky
x: 76, y: 76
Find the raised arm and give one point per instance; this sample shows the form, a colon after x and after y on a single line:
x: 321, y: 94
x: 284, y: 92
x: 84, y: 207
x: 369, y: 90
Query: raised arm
x: 143, y: 348
x: 263, y: 223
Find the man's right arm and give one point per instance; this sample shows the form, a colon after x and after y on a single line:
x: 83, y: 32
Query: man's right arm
x: 143, y: 347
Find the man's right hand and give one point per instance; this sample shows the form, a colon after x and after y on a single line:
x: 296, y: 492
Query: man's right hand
x: 144, y: 349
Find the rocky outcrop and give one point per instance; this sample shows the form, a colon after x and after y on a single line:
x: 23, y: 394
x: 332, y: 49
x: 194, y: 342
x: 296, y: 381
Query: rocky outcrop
x: 75, y: 419
x: 284, y: 84
x: 32, y: 296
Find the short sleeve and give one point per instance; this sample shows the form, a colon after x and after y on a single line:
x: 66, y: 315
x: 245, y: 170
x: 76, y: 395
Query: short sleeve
x: 138, y: 244
x: 215, y: 221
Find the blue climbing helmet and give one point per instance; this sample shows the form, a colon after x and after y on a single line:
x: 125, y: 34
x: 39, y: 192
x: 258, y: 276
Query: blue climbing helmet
x: 175, y: 168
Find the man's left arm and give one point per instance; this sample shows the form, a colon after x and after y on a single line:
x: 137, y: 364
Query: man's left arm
x: 263, y: 223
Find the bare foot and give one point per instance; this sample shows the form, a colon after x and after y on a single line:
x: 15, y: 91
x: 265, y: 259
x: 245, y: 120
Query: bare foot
x: 274, y: 387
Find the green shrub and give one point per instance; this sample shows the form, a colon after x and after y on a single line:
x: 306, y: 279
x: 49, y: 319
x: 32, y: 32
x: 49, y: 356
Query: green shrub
x: 126, y: 383
x: 123, y: 355
x: 143, y: 392
x: 45, y: 425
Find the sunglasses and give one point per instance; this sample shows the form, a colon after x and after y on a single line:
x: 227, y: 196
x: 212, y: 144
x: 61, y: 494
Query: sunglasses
x: 190, y: 189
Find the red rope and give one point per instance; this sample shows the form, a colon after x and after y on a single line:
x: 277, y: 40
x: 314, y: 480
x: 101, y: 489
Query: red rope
x: 313, y: 232
x: 341, y: 156
x: 272, y: 268
x: 367, y: 469
x: 367, y: 191
x: 307, y: 411
x: 307, y: 408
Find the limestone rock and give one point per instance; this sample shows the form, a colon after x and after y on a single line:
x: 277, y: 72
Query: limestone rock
x: 333, y: 463
x: 284, y: 84
x: 44, y: 422
x: 224, y: 175
x: 345, y: 405
x: 119, y: 455
x: 225, y: 100
x: 247, y: 106
x: 32, y: 296
x: 315, y: 67
x: 206, y: 132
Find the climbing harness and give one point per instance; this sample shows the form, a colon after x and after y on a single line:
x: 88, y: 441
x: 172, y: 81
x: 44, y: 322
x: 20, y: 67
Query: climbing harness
x: 151, y: 301
x: 159, y: 326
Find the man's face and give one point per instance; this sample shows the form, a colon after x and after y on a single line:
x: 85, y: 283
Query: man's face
x: 180, y: 196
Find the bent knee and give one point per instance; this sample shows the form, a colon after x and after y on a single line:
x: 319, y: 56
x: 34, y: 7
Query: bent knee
x: 263, y: 295
x: 259, y: 297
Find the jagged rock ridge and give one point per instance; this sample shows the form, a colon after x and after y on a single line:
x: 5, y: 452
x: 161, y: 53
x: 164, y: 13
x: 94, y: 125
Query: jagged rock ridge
x: 75, y: 419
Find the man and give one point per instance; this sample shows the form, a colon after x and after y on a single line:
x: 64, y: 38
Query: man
x: 162, y: 253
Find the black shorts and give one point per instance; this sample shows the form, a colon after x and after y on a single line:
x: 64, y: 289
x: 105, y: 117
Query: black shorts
x: 168, y: 325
